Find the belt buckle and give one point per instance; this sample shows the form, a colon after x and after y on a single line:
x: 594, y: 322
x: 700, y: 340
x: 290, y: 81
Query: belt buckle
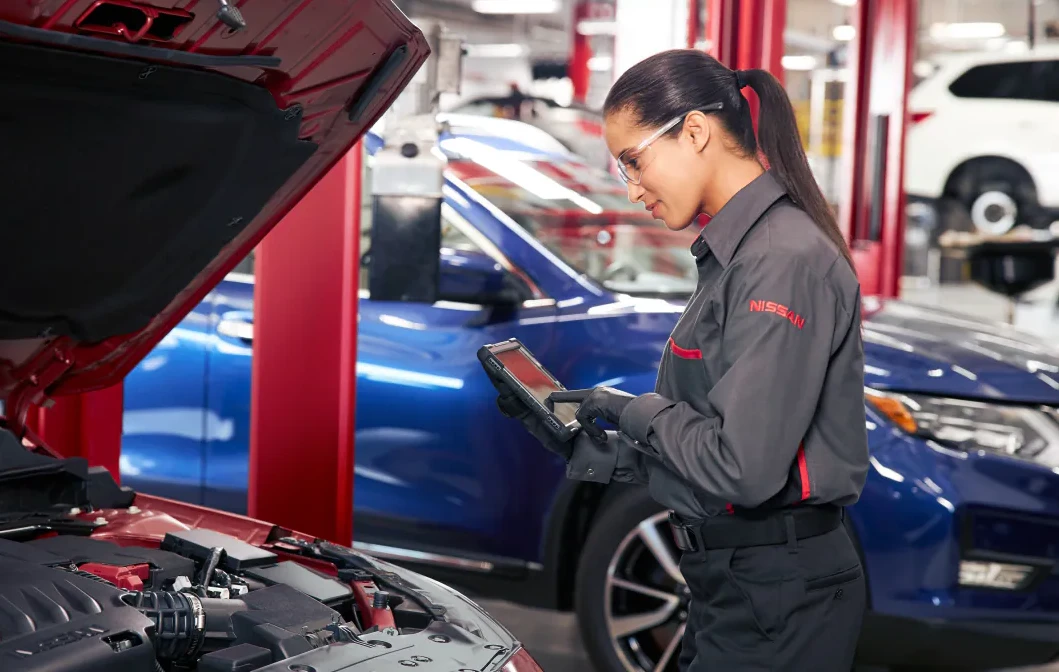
x: 682, y: 535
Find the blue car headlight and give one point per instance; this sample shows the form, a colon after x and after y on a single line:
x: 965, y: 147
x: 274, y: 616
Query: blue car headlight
x: 1023, y: 432
x: 1030, y: 433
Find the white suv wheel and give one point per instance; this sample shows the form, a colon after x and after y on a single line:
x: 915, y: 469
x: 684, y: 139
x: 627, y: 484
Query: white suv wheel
x: 994, y: 213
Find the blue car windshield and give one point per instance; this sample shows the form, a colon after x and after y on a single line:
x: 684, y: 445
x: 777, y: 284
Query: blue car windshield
x: 583, y: 216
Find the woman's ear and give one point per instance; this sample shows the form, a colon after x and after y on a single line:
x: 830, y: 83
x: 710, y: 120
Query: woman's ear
x: 697, y: 130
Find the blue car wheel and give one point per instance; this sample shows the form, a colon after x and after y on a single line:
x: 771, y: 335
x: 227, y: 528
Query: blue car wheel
x: 631, y: 599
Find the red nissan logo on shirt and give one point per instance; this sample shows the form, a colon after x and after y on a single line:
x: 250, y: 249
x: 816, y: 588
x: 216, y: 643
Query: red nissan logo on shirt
x: 778, y: 308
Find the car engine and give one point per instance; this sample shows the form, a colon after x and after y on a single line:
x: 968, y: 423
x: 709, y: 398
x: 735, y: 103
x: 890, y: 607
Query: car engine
x: 204, y: 601
x: 73, y: 599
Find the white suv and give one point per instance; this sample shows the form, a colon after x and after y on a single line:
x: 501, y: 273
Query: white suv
x: 984, y: 141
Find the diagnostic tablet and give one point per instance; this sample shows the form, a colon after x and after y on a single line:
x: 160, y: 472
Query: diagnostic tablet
x: 524, y: 375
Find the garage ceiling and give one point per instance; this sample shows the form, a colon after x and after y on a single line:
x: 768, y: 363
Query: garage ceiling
x: 810, y: 23
x: 546, y: 36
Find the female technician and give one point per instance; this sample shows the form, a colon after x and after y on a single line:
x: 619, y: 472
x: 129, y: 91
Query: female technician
x: 755, y: 436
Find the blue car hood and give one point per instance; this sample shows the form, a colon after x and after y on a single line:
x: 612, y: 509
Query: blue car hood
x: 925, y: 349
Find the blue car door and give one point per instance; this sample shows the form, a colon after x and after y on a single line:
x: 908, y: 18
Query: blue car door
x: 162, y: 443
x: 437, y: 467
x: 434, y: 459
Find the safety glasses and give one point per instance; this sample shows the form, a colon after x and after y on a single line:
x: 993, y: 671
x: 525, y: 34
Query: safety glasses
x: 634, y: 161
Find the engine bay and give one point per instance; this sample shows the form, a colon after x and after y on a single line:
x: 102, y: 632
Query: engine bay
x: 192, y: 607
x: 90, y: 582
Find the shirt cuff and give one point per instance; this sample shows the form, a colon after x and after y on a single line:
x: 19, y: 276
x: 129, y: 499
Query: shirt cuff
x: 590, y: 461
x: 635, y: 420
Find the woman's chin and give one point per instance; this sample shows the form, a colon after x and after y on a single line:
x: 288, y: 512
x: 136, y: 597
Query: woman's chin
x: 677, y: 225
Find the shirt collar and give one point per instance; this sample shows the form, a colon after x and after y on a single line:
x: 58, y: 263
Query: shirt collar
x: 729, y: 226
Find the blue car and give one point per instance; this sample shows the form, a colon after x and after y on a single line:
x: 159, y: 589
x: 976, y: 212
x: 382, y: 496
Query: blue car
x: 958, y: 525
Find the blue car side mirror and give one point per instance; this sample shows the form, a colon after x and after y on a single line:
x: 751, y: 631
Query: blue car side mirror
x: 470, y: 276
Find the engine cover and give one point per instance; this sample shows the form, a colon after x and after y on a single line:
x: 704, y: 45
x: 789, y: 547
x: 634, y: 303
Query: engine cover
x: 52, y: 619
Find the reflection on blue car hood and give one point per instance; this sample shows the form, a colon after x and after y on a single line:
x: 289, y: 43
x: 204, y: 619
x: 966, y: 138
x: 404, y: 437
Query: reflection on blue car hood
x: 933, y: 351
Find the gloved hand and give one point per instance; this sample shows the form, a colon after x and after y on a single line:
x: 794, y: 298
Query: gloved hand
x: 513, y: 407
x: 599, y: 402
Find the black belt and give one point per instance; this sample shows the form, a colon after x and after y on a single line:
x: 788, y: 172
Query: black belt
x: 755, y: 528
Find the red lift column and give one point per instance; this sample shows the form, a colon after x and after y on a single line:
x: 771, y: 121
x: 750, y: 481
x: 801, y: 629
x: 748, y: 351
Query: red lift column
x: 747, y: 35
x: 305, y: 354
x: 580, y: 54
x: 873, y: 202
x: 84, y: 425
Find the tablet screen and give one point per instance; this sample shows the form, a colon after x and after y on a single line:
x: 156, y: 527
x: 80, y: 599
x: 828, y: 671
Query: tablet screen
x: 536, y: 380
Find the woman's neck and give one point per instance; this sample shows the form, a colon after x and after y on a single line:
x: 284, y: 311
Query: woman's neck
x: 729, y: 181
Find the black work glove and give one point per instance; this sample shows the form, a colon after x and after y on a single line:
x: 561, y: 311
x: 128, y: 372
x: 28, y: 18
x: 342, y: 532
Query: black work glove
x: 513, y: 407
x: 604, y: 403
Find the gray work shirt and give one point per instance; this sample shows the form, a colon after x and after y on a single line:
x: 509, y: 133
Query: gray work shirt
x: 760, y: 392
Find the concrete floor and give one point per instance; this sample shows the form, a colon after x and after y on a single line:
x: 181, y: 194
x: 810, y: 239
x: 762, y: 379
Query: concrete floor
x: 554, y: 639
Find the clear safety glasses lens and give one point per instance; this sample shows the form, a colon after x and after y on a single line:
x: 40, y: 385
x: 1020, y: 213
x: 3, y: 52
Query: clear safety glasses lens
x: 632, y: 163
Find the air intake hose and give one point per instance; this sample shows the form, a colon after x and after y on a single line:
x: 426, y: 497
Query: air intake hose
x: 185, y: 624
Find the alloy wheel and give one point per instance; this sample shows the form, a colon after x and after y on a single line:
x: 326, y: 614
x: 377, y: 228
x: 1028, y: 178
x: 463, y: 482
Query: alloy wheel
x: 646, y: 598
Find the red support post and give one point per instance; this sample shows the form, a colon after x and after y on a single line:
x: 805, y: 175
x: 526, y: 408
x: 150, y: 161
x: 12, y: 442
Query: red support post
x: 876, y: 120
x: 304, y: 368
x: 694, y: 22
x: 721, y: 20
x: 580, y: 53
x: 749, y: 35
x: 84, y: 425
x: 773, y: 26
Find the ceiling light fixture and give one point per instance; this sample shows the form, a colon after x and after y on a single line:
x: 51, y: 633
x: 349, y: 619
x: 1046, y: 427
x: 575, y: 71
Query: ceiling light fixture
x: 801, y: 62
x: 967, y: 31
x: 600, y: 63
x: 597, y: 27
x: 844, y: 33
x: 495, y: 50
x: 515, y: 6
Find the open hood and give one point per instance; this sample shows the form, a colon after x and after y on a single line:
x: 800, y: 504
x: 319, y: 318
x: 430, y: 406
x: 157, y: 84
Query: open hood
x: 149, y: 146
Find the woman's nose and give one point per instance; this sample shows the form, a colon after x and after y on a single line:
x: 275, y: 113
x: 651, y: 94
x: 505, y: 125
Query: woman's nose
x: 636, y: 192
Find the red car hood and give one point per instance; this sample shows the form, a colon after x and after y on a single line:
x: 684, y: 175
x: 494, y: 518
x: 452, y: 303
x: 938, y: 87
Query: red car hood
x: 148, y: 148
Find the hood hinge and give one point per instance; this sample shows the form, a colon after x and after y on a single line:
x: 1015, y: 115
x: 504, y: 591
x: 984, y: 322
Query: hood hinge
x: 37, y: 375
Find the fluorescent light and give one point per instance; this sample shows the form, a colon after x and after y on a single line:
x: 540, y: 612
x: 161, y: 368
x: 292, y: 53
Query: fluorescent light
x: 597, y: 27
x: 799, y: 62
x: 844, y: 33
x: 496, y: 50
x: 515, y: 6
x: 600, y: 63
x: 923, y: 69
x: 966, y: 31
x: 845, y: 3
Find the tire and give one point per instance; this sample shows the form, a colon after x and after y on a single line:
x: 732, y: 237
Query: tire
x: 991, y: 196
x: 619, y: 547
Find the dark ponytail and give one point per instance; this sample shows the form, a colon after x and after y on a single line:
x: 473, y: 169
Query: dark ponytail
x: 678, y: 81
x: 780, y: 142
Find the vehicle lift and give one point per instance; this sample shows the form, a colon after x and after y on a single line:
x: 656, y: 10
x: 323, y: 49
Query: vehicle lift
x: 308, y: 279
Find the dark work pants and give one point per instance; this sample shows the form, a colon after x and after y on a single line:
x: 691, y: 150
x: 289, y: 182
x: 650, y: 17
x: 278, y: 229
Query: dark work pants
x: 794, y: 607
